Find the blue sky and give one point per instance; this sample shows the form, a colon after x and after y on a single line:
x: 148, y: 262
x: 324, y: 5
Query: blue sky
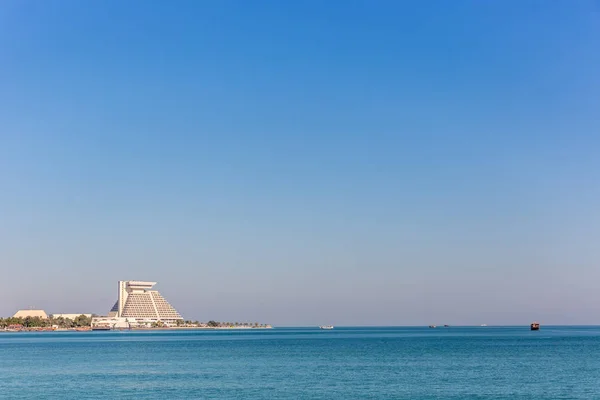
x: 354, y: 163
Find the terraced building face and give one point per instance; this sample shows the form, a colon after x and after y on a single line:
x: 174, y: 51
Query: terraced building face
x: 137, y: 300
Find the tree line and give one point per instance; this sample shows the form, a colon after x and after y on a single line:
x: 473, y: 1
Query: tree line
x: 216, y: 324
x: 37, y: 322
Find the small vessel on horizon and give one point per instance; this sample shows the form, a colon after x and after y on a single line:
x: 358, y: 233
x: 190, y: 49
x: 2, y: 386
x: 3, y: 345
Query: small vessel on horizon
x: 535, y: 326
x: 432, y: 326
x: 483, y: 325
x: 326, y: 327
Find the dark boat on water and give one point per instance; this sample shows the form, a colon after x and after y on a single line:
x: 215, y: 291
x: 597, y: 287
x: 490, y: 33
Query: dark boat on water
x: 535, y: 326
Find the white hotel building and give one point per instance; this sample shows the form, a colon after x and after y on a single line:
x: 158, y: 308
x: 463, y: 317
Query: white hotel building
x: 138, y: 305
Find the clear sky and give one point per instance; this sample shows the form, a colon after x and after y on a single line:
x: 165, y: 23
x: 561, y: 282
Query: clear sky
x: 299, y: 163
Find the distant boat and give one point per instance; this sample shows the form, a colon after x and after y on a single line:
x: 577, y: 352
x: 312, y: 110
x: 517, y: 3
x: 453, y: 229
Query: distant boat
x: 535, y: 326
x: 326, y: 327
x: 446, y: 326
x: 432, y: 326
x: 483, y: 324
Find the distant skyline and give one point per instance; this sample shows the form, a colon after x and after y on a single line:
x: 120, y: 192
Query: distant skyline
x: 303, y: 163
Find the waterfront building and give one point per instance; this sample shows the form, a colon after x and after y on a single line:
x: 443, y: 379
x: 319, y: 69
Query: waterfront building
x: 31, y: 313
x: 137, y: 301
x: 71, y: 316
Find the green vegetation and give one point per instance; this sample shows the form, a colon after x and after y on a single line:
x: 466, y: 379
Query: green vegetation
x: 37, y: 322
x: 82, y: 321
x: 158, y: 324
x: 216, y: 324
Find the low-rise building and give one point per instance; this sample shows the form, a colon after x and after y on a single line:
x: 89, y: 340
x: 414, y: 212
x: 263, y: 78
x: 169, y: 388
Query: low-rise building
x: 70, y: 316
x: 31, y: 313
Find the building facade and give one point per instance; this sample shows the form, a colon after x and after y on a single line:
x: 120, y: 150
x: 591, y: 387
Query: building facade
x: 137, y: 301
x: 70, y: 316
x: 31, y: 313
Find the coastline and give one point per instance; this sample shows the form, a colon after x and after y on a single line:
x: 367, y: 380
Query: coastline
x: 179, y: 328
x: 203, y: 328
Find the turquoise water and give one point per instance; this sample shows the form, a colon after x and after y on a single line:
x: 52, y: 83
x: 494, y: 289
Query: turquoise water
x: 345, y: 363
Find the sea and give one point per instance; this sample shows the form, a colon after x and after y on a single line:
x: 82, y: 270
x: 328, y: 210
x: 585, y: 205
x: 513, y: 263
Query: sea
x: 304, y: 363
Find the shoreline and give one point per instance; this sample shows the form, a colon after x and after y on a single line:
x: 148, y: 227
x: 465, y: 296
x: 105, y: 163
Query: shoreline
x: 208, y: 328
x: 178, y: 328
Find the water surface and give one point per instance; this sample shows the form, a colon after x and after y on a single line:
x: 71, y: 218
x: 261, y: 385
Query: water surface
x: 304, y: 363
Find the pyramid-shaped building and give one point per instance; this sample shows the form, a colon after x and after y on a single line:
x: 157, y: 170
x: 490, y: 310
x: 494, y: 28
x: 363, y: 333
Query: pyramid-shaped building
x: 137, y: 300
